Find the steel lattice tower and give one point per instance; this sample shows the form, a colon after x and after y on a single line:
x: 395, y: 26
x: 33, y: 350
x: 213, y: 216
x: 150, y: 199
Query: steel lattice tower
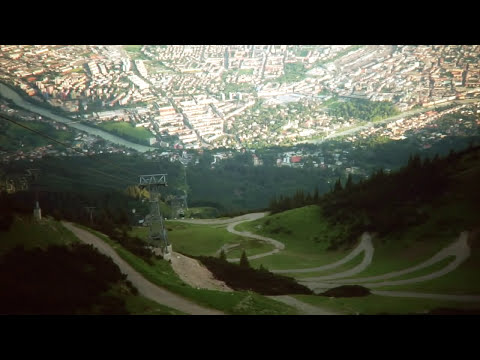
x: 157, y: 233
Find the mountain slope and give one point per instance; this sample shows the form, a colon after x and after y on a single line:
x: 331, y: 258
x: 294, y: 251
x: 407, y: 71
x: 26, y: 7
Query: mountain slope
x: 44, y: 269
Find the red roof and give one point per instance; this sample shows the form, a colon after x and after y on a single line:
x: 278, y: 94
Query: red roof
x: 295, y: 159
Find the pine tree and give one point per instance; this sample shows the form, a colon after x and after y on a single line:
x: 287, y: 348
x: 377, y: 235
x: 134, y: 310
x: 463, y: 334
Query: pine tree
x: 223, y: 256
x: 308, y: 199
x: 349, y: 183
x: 263, y: 268
x: 244, y: 260
x: 338, y: 186
x: 273, y: 204
x: 281, y: 204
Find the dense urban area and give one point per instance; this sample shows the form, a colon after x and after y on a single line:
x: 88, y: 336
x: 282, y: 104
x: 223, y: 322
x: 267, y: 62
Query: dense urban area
x: 182, y: 100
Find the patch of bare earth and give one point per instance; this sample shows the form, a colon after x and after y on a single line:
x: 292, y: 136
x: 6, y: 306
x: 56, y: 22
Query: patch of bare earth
x: 193, y: 272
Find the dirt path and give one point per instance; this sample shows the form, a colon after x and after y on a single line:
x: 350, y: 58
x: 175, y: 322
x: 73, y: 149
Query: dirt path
x: 231, y: 228
x: 241, y: 218
x: 364, y: 245
x: 195, y: 274
x: 277, y: 244
x: 304, y: 308
x: 462, y: 298
x: 459, y: 249
x: 145, y: 287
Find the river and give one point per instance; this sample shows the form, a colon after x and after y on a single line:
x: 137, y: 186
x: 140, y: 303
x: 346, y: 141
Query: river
x: 7, y: 93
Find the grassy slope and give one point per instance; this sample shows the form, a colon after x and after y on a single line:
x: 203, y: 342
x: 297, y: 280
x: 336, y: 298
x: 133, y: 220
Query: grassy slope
x: 454, y: 212
x: 251, y: 247
x: 375, y: 304
x: 425, y: 271
x: 298, y: 230
x: 193, y: 239
x: 140, y: 134
x: 462, y: 281
x: 30, y: 234
x: 393, y: 253
x: 238, y: 302
x: 202, y: 212
x: 339, y: 269
x: 196, y: 240
x: 139, y: 305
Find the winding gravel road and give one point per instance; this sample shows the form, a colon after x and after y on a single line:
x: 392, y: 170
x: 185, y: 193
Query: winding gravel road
x: 459, y: 249
x: 463, y: 298
x: 231, y: 228
x: 364, y: 245
x: 277, y: 244
x: 145, y: 287
x: 241, y: 218
x: 304, y: 308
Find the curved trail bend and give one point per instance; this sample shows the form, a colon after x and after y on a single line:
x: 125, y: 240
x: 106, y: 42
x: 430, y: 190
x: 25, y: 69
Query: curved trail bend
x: 364, y: 245
x: 459, y: 249
x: 231, y: 228
x: 145, y: 287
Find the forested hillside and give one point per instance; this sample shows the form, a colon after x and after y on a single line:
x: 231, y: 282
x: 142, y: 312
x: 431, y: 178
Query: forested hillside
x: 444, y: 189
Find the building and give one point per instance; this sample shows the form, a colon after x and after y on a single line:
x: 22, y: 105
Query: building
x: 295, y: 159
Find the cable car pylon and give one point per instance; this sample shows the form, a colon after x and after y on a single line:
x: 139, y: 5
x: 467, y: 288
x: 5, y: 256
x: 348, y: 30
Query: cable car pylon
x: 157, y: 238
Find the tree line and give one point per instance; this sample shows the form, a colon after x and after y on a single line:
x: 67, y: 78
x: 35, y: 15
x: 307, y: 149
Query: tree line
x: 383, y: 203
x: 111, y: 215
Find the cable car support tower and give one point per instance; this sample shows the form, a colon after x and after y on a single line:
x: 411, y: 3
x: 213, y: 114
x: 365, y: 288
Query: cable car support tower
x: 157, y: 238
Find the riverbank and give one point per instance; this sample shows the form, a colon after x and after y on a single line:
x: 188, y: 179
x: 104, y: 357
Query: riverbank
x: 8, y: 93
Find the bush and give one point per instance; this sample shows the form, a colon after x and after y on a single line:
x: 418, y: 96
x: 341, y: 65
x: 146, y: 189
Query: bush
x: 244, y: 260
x: 347, y: 291
x: 261, y: 281
x: 59, y: 280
